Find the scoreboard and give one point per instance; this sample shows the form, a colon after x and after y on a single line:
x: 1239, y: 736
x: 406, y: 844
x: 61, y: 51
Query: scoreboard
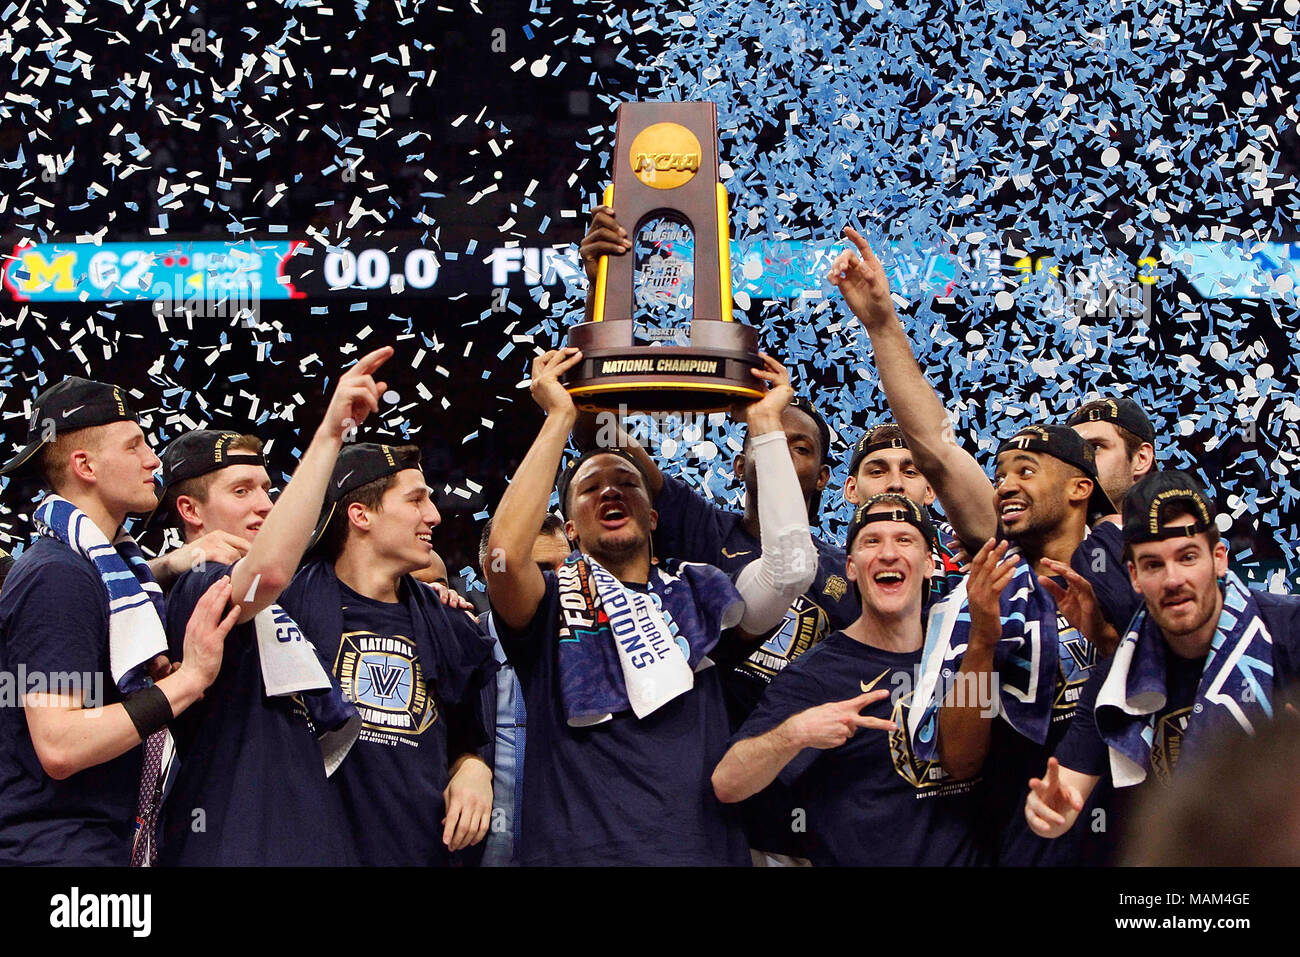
x: 258, y: 270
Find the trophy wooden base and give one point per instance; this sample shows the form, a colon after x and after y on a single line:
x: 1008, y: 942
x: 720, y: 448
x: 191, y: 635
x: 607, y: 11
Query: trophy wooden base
x: 710, y: 375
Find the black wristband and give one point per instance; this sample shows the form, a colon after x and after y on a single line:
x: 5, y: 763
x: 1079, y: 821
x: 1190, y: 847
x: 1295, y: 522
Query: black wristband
x: 148, y: 710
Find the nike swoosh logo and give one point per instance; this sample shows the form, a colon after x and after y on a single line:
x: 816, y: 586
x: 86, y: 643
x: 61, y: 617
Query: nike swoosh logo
x: 869, y: 687
x: 343, y: 479
x: 727, y: 554
x: 68, y: 412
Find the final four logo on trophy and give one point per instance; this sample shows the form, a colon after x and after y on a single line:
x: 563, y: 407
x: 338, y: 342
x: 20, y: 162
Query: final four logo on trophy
x: 636, y: 353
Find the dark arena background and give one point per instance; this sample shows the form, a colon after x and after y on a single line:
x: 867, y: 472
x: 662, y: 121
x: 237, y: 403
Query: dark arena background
x: 220, y: 206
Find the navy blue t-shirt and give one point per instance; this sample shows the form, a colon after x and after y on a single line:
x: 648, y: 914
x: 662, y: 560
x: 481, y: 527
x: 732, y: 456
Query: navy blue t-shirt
x: 626, y: 792
x: 693, y: 529
x: 392, y: 780
x: 1100, y: 559
x: 249, y: 785
x: 54, y: 622
x: 1013, y: 759
x: 870, y: 801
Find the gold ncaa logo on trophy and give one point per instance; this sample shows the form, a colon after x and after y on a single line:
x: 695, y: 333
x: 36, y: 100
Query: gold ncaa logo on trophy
x: 666, y: 167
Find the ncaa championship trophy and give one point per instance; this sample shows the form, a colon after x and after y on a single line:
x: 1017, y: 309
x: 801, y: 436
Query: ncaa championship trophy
x: 666, y: 169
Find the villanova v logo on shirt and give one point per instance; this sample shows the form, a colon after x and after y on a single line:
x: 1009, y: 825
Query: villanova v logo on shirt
x: 382, y: 676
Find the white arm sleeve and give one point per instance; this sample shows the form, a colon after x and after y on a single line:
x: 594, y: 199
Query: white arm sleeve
x: 788, y: 562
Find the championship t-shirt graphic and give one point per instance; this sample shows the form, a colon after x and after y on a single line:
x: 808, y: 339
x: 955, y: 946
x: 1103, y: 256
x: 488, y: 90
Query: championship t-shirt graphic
x: 381, y: 675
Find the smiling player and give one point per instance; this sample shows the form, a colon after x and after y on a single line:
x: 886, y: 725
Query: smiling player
x: 413, y: 789
x: 1206, y: 658
x: 869, y: 801
x: 81, y: 603
x: 1045, y: 491
x: 272, y: 697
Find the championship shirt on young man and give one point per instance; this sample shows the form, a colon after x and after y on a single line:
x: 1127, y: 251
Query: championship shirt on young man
x: 628, y: 791
x: 870, y: 801
x: 54, y: 628
x: 249, y: 785
x: 415, y: 674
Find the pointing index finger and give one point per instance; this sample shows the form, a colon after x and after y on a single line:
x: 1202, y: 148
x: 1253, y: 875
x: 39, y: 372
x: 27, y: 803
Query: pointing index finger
x: 856, y: 238
x: 372, y: 360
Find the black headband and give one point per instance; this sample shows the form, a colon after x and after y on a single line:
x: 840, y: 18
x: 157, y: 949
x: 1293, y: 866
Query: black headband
x: 889, y: 507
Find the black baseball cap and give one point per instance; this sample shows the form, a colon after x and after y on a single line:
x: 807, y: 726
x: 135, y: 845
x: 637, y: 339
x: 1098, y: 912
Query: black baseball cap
x: 889, y: 507
x: 196, y: 453
x: 1144, y: 500
x: 359, y: 465
x: 566, y: 478
x: 1062, y: 442
x: 74, y: 403
x: 873, y: 440
x: 1120, y: 411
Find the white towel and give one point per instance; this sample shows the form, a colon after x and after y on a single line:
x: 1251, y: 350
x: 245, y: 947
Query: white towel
x: 135, y: 628
x: 655, y: 665
x: 289, y: 662
x: 290, y: 666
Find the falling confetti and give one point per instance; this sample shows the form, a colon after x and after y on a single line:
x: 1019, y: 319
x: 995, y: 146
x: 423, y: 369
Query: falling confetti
x: 1055, y: 157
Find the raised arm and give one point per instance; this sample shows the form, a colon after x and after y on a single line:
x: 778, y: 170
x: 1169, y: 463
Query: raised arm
x: 966, y: 721
x: 261, y: 575
x: 788, y: 562
x: 514, y: 583
x: 960, y: 484
x: 752, y: 764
